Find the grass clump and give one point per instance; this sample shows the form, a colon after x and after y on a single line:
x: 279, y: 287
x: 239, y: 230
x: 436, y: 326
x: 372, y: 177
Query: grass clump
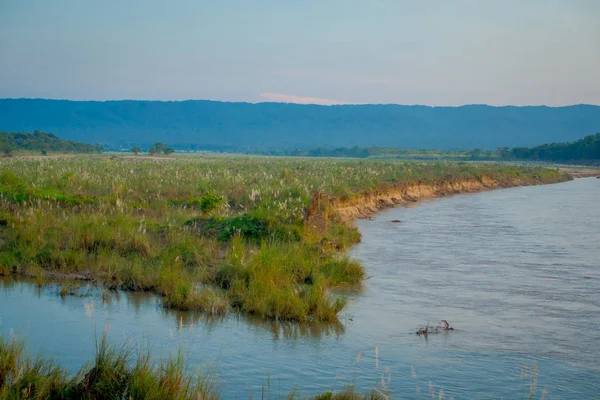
x: 111, y: 374
x: 187, y: 298
x: 278, y: 280
x: 350, y: 393
x: 343, y: 271
x: 23, y: 377
x: 108, y: 374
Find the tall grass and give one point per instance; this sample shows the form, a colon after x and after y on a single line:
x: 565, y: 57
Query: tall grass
x: 111, y: 374
x: 208, y: 234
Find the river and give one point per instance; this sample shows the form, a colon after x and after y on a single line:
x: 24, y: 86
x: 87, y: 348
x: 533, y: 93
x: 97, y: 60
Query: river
x: 515, y: 271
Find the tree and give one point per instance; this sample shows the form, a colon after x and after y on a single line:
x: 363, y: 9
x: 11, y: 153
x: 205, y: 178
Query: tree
x: 98, y: 148
x: 157, y: 148
x: 503, y: 153
x: 7, y: 150
x: 41, y: 141
x: 476, y: 154
x: 160, y: 147
x: 136, y: 150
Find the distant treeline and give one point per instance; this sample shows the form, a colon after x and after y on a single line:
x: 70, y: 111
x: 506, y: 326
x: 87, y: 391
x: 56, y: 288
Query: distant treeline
x: 583, y: 150
x: 382, y: 152
x: 586, y: 149
x: 42, y: 142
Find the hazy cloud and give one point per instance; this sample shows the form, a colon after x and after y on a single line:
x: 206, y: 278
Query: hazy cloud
x: 290, y: 98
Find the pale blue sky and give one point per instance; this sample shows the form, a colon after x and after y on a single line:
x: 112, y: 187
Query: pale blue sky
x: 444, y: 52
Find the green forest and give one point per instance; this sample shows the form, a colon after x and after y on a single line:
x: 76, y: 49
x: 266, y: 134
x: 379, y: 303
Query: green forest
x: 42, y: 142
x: 386, y: 153
x: 583, y: 150
x: 586, y: 149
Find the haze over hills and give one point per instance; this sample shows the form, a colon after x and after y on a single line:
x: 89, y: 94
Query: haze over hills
x: 240, y: 126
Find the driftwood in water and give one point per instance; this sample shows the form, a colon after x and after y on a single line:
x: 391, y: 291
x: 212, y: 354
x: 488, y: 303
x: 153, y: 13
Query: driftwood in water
x: 445, y: 327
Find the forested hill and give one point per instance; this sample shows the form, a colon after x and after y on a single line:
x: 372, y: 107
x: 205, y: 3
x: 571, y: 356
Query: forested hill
x: 43, y: 142
x: 586, y: 149
x: 245, y: 126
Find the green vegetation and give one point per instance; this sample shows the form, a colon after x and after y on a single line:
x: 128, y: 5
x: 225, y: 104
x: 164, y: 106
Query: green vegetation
x: 239, y: 127
x: 158, y: 148
x: 43, y: 143
x: 254, y: 234
x: 583, y: 150
x: 389, y: 153
x: 110, y: 375
x: 586, y: 149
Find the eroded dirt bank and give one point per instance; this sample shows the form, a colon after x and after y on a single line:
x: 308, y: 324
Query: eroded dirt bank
x: 367, y: 203
x: 581, y: 172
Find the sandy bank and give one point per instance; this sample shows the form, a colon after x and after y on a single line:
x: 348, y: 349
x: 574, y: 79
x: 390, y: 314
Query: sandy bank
x: 368, y: 203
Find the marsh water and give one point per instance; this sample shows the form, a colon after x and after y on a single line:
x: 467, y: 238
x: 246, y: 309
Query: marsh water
x: 515, y: 271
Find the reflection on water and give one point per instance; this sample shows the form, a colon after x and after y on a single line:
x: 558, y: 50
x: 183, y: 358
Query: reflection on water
x: 516, y: 272
x: 139, y: 302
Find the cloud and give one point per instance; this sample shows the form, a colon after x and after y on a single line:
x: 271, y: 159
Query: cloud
x: 290, y: 98
x: 338, y: 76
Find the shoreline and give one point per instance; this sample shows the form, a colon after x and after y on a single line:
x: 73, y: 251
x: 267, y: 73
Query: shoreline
x: 146, y: 229
x: 581, y: 172
x: 369, y: 203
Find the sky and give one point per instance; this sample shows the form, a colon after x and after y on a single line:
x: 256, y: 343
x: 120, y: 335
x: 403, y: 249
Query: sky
x: 432, y: 52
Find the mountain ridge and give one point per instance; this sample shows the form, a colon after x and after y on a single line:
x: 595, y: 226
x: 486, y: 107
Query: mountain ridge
x: 268, y: 125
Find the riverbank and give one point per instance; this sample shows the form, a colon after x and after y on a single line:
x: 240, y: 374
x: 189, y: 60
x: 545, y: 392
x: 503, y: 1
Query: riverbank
x: 215, y: 234
x: 368, y: 203
x: 581, y: 172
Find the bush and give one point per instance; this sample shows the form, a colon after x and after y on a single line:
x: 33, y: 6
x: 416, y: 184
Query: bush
x: 225, y: 228
x: 210, y: 202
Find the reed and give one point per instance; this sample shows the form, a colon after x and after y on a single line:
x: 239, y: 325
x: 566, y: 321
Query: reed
x: 111, y: 374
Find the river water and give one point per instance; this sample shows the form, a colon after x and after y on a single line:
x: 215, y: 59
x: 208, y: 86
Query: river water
x: 515, y: 271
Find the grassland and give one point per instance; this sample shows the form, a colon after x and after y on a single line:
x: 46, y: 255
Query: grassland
x: 259, y: 235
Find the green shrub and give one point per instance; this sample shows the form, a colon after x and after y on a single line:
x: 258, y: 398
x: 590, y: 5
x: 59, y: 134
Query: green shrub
x: 225, y: 228
x: 210, y: 202
x: 343, y: 271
